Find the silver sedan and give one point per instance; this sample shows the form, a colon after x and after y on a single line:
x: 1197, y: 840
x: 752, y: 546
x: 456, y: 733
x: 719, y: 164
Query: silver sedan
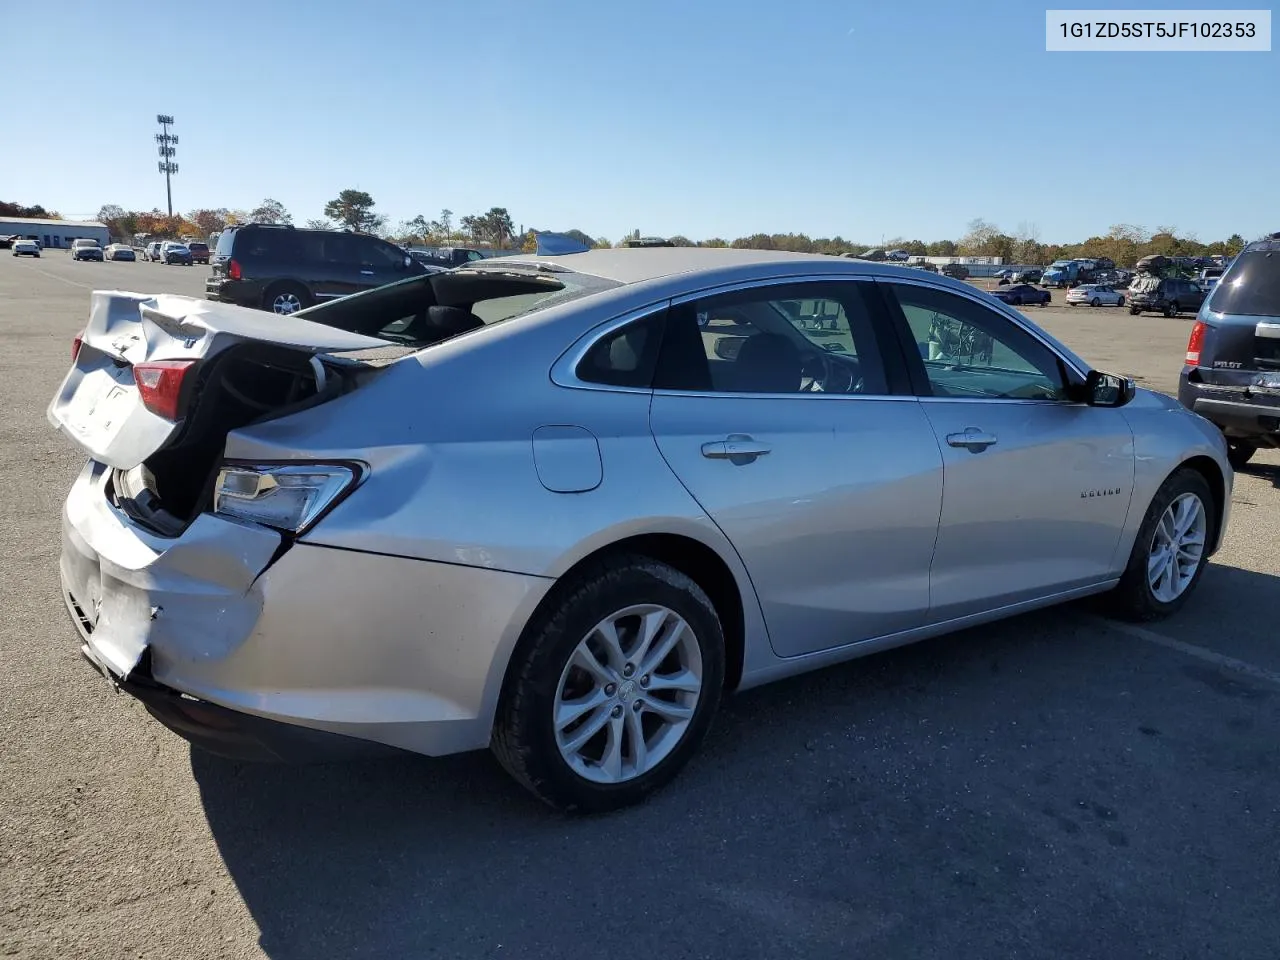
x: 558, y: 506
x: 1095, y: 295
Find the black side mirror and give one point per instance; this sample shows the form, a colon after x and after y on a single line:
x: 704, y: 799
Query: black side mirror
x: 1108, y: 389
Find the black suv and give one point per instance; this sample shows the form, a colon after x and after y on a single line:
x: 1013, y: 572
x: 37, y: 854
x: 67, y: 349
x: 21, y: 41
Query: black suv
x: 281, y: 268
x: 1232, y: 372
x: 957, y: 271
x: 1151, y: 294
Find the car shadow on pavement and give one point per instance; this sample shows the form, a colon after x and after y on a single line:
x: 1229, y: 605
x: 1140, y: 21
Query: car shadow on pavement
x: 1265, y: 471
x: 981, y: 792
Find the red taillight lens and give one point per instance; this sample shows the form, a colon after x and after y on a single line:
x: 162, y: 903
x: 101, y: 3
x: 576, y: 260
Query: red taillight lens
x: 1195, y: 343
x: 76, y: 344
x: 160, y: 385
x: 233, y: 270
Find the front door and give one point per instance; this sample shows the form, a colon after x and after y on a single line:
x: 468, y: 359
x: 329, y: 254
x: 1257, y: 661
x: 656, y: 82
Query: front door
x: 378, y: 262
x: 1037, y: 487
x: 773, y: 407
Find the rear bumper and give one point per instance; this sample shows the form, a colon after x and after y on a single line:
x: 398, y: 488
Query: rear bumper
x: 229, y: 733
x: 1255, y: 418
x: 244, y: 293
x: 226, y: 642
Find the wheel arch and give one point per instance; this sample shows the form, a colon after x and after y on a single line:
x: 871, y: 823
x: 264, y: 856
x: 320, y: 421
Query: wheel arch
x: 1208, y: 468
x: 693, y: 557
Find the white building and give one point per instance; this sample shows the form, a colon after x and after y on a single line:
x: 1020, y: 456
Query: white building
x: 55, y: 233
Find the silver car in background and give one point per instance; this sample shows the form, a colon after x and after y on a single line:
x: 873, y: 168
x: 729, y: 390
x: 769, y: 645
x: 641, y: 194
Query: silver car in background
x: 1095, y: 295
x: 559, y: 505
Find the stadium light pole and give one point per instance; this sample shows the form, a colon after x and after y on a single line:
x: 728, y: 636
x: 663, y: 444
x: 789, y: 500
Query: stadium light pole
x: 168, y: 144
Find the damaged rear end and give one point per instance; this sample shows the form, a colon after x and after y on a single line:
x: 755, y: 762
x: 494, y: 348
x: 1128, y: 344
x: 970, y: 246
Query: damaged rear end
x: 156, y: 385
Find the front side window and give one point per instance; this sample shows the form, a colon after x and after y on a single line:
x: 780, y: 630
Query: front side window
x: 971, y: 351
x: 796, y: 338
x: 378, y: 254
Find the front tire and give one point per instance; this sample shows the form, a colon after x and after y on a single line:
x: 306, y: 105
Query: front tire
x: 1171, y: 310
x: 1171, y: 549
x: 1133, y: 311
x: 612, y: 688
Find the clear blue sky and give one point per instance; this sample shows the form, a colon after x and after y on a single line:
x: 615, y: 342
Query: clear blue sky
x: 702, y: 117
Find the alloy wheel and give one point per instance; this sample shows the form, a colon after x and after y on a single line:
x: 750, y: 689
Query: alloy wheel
x: 286, y: 303
x: 1177, y: 547
x: 627, y: 694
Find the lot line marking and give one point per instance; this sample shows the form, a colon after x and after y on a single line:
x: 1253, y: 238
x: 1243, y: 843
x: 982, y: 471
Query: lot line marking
x: 1191, y: 650
x: 54, y: 276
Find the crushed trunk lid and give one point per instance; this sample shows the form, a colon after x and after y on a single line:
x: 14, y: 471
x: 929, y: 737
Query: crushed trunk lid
x: 99, y: 406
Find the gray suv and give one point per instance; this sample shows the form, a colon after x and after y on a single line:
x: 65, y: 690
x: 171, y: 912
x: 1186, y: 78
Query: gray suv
x: 1232, y: 371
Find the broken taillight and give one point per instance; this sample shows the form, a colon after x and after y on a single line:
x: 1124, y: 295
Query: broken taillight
x: 160, y: 385
x: 233, y: 270
x: 1195, y: 343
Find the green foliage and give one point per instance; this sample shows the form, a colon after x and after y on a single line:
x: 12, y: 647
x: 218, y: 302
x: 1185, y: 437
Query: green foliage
x: 354, y: 210
x: 273, y: 211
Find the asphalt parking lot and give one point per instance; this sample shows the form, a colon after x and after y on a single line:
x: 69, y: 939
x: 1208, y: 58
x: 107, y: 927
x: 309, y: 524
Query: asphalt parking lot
x: 1055, y: 785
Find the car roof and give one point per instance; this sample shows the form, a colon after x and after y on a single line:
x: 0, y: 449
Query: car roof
x: 636, y: 264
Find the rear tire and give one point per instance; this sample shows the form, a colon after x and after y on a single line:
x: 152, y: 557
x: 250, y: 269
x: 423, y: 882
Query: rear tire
x: 1240, y: 453
x: 1133, y: 311
x: 1171, y: 310
x: 286, y: 298
x: 1095, y: 302
x: 534, y: 747
x: 1135, y: 597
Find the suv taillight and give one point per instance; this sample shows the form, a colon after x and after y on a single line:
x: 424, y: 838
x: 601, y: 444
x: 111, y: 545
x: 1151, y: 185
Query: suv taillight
x: 233, y: 270
x: 1195, y: 343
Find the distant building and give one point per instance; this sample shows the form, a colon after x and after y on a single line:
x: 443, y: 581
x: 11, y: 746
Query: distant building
x: 55, y: 233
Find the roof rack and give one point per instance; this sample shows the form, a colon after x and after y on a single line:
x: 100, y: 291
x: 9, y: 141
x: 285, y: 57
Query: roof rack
x: 259, y: 223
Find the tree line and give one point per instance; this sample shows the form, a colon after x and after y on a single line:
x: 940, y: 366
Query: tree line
x: 351, y: 209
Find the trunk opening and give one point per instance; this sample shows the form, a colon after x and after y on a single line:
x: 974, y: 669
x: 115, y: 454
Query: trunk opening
x: 248, y: 383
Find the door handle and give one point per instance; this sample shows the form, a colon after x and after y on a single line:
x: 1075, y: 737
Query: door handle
x: 737, y: 447
x: 366, y: 273
x: 974, y: 439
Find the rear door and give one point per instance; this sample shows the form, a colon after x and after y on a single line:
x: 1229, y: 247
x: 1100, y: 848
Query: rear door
x: 784, y: 411
x: 99, y: 406
x: 1037, y: 486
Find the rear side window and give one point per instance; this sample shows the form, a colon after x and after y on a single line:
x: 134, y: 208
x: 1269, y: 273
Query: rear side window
x: 226, y: 241
x: 1251, y: 287
x: 277, y: 244
x: 627, y: 356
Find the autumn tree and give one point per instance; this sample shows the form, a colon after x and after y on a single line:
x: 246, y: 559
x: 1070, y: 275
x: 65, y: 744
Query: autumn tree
x: 210, y: 220
x: 354, y: 210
